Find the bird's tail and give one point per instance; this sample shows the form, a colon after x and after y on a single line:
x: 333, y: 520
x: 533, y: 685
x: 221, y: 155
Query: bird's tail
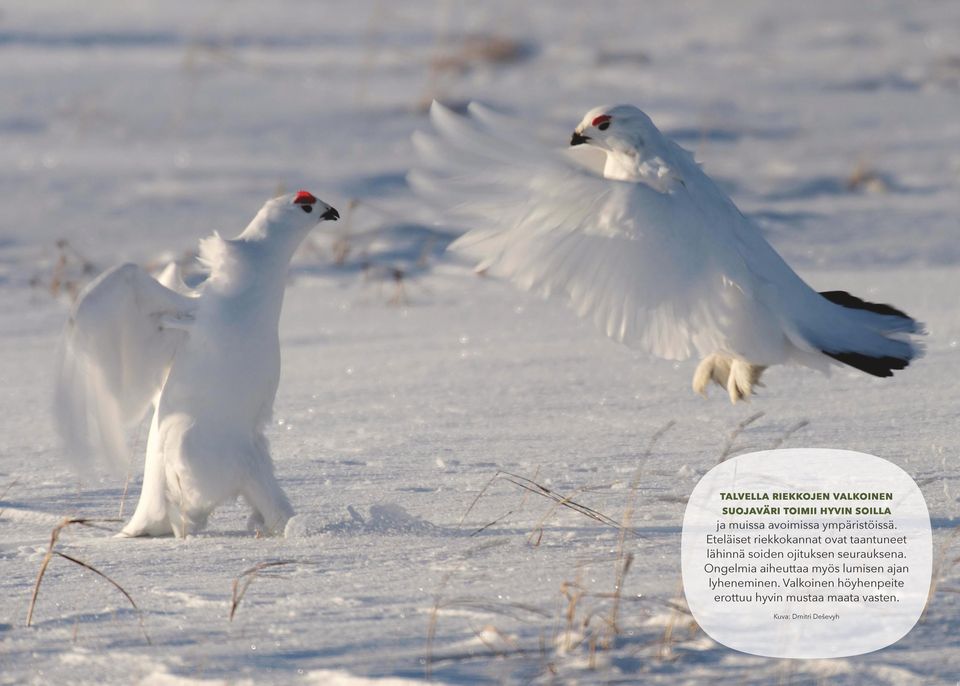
x: 872, y: 337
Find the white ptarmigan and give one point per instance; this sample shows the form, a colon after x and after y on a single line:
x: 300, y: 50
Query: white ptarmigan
x: 208, y: 361
x: 648, y: 246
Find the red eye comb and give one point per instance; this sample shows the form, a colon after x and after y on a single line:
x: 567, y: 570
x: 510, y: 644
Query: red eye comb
x: 599, y: 120
x: 304, y: 198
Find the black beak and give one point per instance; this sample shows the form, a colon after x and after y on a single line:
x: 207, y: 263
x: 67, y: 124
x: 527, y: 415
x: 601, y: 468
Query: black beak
x: 330, y: 214
x: 578, y: 139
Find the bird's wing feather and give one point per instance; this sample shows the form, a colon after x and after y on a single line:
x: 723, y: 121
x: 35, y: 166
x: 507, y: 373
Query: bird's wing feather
x: 114, y: 357
x: 653, y: 268
x: 172, y: 277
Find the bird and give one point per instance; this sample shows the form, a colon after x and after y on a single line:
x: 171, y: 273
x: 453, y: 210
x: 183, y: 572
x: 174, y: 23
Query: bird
x: 626, y: 226
x: 206, y: 361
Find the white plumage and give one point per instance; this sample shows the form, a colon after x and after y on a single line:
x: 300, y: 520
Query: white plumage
x: 647, y: 246
x: 207, y: 361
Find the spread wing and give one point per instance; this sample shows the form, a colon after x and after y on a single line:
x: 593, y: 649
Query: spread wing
x: 654, y: 265
x: 114, y: 356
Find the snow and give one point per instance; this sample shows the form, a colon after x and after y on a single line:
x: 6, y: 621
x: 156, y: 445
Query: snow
x: 133, y: 129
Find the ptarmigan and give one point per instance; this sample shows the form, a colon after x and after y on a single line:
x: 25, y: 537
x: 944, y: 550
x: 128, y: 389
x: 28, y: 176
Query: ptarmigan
x: 648, y: 246
x: 207, y: 361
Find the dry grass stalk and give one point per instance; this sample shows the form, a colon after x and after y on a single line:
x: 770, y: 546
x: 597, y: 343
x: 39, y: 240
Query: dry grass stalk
x: 509, y: 641
x: 475, y: 49
x: 573, y: 593
x: 474, y: 502
x: 51, y: 553
x: 537, y: 530
x: 562, y: 501
x: 246, y: 577
x: 438, y: 602
x: 61, y: 280
x: 123, y: 496
x: 802, y: 424
x: 399, y: 296
x: 7, y: 490
x: 583, y: 625
x: 941, y: 567
x: 476, y: 531
x: 372, y: 42
x: 728, y: 447
x: 665, y: 650
x: 678, y: 609
x: 624, y: 559
x: 865, y: 178
x: 126, y: 483
x: 523, y: 502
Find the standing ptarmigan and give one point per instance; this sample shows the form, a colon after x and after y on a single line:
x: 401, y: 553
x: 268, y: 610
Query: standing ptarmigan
x: 208, y: 361
x: 649, y: 247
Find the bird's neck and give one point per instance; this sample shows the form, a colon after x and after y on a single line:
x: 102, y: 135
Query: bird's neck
x: 250, y: 277
x: 629, y: 165
x: 622, y: 165
x: 273, y: 245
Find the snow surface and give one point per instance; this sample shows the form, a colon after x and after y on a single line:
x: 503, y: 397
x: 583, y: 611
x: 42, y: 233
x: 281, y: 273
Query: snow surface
x: 133, y: 129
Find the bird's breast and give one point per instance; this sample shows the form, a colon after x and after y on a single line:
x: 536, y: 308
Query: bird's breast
x: 230, y: 378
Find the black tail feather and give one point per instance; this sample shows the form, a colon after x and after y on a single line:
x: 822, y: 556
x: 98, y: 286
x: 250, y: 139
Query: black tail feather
x: 844, y: 299
x: 877, y: 366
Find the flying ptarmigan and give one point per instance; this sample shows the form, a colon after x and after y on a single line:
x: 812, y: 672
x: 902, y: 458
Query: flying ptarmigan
x: 208, y: 361
x: 650, y: 248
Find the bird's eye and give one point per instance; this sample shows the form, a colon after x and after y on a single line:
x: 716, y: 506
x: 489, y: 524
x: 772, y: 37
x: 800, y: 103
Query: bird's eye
x: 602, y: 122
x: 307, y: 208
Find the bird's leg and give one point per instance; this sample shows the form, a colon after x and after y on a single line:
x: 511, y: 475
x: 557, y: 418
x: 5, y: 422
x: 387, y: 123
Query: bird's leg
x: 743, y: 377
x: 400, y: 294
x: 714, y: 367
x: 738, y: 377
x: 255, y: 520
x: 151, y: 517
x: 260, y: 489
x: 271, y: 509
x: 188, y: 505
x: 186, y: 520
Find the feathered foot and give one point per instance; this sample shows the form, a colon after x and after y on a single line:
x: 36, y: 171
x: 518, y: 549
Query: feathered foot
x: 737, y: 376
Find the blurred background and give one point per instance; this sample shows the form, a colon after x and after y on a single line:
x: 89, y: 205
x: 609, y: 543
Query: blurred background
x: 129, y: 129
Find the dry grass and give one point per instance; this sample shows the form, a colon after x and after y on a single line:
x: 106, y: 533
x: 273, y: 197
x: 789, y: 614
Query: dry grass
x: 587, y: 620
x: 242, y: 582
x: 6, y: 490
x: 70, y: 273
x: 51, y: 553
x: 440, y: 603
x: 559, y: 500
x: 363, y: 225
x: 866, y: 178
x: 479, y: 49
x: 502, y: 517
x: 730, y: 447
x: 454, y: 56
x: 625, y: 559
x: 945, y: 562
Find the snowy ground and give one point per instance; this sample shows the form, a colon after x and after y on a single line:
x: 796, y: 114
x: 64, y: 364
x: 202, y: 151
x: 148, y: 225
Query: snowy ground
x: 132, y: 129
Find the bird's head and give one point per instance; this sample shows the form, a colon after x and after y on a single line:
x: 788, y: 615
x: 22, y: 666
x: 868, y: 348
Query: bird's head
x: 619, y: 128
x: 299, y: 210
x: 288, y: 218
